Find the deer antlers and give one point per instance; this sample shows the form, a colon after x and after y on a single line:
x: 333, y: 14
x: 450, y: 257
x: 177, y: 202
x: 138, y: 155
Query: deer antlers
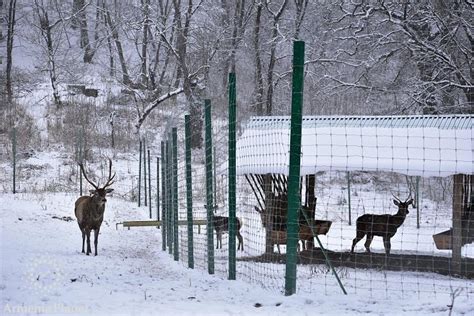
x: 110, y: 178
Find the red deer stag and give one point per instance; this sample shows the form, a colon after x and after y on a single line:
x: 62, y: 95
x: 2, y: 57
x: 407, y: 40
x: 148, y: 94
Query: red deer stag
x: 89, y: 210
x: 221, y: 225
x: 385, y: 225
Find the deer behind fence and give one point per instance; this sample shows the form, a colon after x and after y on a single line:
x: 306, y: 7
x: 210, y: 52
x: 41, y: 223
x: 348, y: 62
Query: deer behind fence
x: 385, y: 225
x: 221, y: 225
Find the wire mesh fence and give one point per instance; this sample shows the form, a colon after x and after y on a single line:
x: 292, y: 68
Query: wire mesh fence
x: 309, y: 190
x: 409, y: 217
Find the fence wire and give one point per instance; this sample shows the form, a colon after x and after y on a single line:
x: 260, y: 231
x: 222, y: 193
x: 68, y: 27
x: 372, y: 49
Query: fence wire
x: 393, y: 182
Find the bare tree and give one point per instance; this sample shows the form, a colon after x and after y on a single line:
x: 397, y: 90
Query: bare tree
x: 382, y: 42
x: 275, y: 19
x: 46, y: 27
x: 79, y: 10
x: 146, y: 20
x: 259, y: 89
x: 113, y: 28
x: 11, y: 21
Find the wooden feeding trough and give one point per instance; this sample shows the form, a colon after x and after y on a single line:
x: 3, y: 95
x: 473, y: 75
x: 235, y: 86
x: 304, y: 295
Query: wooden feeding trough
x: 271, y: 193
x: 443, y: 240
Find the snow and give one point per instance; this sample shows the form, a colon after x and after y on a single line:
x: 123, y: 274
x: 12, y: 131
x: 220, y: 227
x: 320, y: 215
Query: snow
x: 415, y: 151
x: 43, y: 271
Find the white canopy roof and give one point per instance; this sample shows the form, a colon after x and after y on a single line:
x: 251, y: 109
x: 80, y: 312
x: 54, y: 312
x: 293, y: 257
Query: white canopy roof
x: 411, y: 145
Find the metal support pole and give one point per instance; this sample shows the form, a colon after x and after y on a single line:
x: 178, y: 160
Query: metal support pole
x: 209, y: 195
x: 81, y: 160
x: 149, y: 182
x: 232, y: 176
x: 294, y: 170
x: 140, y: 175
x: 418, y: 202
x: 175, y: 192
x: 349, y: 197
x: 157, y: 188
x: 14, y: 158
x: 163, y: 196
x: 323, y: 250
x: 144, y: 173
x: 189, y: 190
x: 457, y: 223
x: 169, y: 193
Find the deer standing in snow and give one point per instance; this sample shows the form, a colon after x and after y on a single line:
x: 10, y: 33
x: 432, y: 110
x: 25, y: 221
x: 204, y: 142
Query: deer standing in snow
x: 221, y: 225
x: 385, y: 225
x: 89, y: 210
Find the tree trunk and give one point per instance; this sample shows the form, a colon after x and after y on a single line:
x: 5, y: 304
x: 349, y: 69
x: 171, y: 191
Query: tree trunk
x: 118, y: 45
x: 79, y: 9
x: 272, y: 62
x: 10, y: 36
x: 143, y: 74
x: 193, y: 100
x: 46, y: 29
x: 258, y: 62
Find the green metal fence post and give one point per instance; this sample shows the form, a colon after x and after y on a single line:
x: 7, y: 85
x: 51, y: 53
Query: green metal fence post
x: 14, y: 158
x: 294, y: 171
x: 149, y: 182
x: 349, y: 197
x: 189, y: 190
x: 163, y: 196
x: 175, y: 192
x: 144, y: 173
x: 418, y: 202
x: 140, y: 174
x: 157, y: 188
x: 169, y: 211
x: 81, y: 160
x: 209, y: 195
x: 232, y: 176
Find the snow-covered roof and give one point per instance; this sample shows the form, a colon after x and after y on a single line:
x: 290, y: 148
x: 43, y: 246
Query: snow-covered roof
x: 428, y: 145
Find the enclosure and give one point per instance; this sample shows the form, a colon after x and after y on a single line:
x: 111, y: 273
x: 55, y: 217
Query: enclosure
x: 309, y: 181
x: 353, y: 166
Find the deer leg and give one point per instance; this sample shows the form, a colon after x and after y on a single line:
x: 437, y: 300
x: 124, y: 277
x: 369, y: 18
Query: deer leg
x: 88, y: 235
x: 83, y: 239
x: 387, y: 245
x: 358, y: 238
x: 368, y: 242
x: 218, y: 237
x: 96, y: 238
x: 241, y: 241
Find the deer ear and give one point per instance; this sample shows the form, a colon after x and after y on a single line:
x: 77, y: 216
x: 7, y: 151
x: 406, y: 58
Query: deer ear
x: 410, y: 201
x: 396, y: 203
x: 108, y: 190
x: 92, y: 191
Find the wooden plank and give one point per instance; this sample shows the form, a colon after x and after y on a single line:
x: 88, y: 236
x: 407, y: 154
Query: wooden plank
x: 158, y: 223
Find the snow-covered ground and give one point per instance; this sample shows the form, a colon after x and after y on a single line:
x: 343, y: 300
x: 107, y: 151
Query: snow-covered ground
x: 43, y: 271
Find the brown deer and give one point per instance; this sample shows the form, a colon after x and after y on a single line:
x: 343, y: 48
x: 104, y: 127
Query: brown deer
x: 89, y: 210
x: 279, y: 237
x: 385, y: 225
x: 221, y: 225
x: 276, y: 224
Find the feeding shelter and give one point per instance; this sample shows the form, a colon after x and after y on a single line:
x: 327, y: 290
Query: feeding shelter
x: 415, y: 145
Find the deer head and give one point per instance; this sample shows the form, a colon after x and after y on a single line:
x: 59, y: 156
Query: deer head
x: 99, y: 193
x: 403, y: 206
